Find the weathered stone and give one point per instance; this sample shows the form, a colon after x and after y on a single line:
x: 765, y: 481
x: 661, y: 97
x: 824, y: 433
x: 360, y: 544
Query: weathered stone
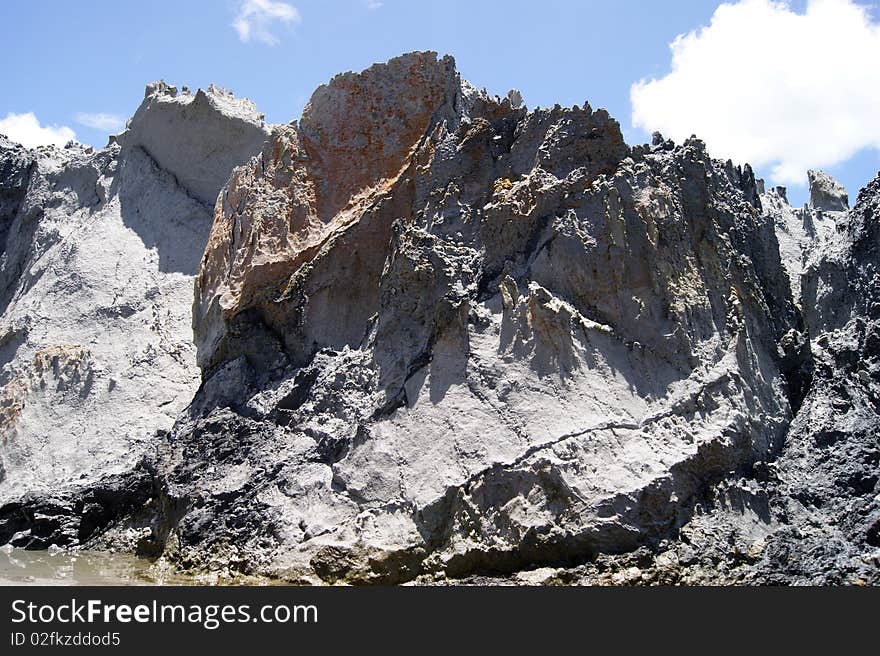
x: 197, y: 138
x: 501, y: 340
x: 96, y: 272
x: 826, y: 193
x: 441, y: 338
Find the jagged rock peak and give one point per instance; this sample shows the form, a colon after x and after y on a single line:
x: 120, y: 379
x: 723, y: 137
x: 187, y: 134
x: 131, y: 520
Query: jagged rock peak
x: 365, y: 137
x: 197, y: 137
x: 97, y: 256
x: 214, y: 94
x: 439, y: 335
x: 826, y: 193
x: 360, y: 127
x: 781, y: 192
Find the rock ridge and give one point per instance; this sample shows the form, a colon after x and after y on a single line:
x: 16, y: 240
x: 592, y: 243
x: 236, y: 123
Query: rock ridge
x: 440, y: 337
x: 424, y: 351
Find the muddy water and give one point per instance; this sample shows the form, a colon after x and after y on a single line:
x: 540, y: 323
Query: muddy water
x: 20, y: 567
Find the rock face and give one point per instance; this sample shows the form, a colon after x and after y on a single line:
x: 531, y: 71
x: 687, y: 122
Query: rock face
x: 443, y: 336
x: 308, y: 190
x: 812, y: 514
x: 501, y: 339
x: 805, y: 232
x: 826, y: 193
x: 829, y: 469
x: 198, y: 138
x: 99, y: 250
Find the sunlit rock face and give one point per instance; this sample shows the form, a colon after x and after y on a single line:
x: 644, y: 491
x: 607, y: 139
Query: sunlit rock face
x: 806, y: 233
x: 99, y: 252
x: 828, y: 470
x: 196, y: 137
x: 441, y: 333
x: 826, y: 193
x: 429, y: 334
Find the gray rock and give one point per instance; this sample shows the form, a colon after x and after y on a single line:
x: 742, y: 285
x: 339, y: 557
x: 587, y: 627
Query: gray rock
x: 99, y: 251
x: 198, y: 138
x: 16, y: 167
x: 507, y: 341
x: 441, y: 338
x: 826, y: 193
x: 811, y: 515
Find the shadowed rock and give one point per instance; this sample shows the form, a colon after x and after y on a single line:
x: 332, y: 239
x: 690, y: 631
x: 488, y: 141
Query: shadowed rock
x: 439, y: 336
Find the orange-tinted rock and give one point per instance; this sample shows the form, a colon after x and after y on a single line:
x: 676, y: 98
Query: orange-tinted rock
x: 319, y: 188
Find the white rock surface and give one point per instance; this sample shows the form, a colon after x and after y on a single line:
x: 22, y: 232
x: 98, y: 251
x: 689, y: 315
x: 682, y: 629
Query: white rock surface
x: 198, y: 138
x: 826, y: 193
x: 440, y: 336
x: 96, y: 279
x: 805, y: 232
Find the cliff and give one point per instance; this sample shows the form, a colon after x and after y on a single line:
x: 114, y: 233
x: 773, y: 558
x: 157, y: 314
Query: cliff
x: 503, y: 339
x: 99, y: 251
x: 442, y: 336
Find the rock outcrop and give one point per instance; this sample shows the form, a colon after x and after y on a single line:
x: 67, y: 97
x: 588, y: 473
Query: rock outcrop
x: 806, y: 232
x: 791, y: 234
x: 830, y: 467
x: 99, y: 251
x: 810, y: 515
x: 440, y: 336
x: 504, y: 338
x: 826, y: 193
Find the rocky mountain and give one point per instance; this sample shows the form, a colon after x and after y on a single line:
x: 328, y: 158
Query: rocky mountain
x: 442, y: 337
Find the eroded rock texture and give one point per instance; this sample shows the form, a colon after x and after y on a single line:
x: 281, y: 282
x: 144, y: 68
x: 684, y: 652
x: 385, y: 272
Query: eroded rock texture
x: 500, y: 339
x: 811, y: 515
x: 445, y: 338
x: 99, y: 251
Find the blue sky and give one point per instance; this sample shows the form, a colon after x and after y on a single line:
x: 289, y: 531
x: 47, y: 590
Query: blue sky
x: 67, y: 60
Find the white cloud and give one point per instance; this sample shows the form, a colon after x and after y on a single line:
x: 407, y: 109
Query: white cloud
x: 26, y: 130
x: 373, y: 5
x: 257, y: 18
x: 766, y: 85
x: 110, y: 123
